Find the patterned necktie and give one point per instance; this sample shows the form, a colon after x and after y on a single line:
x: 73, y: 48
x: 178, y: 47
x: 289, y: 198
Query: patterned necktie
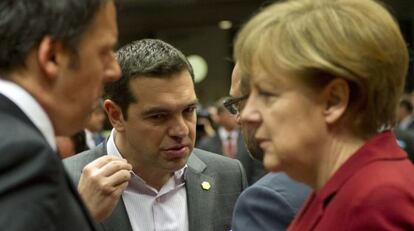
x: 230, y: 150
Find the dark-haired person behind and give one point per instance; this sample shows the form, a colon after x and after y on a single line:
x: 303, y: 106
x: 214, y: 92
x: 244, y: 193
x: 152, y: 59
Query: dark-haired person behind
x: 326, y: 79
x: 404, y: 131
x: 173, y: 186
x: 54, y: 58
x: 271, y: 203
x: 229, y: 133
x: 405, y: 139
x: 405, y: 117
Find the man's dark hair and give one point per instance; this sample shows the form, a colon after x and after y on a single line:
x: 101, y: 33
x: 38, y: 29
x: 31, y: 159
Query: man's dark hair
x: 150, y: 58
x: 24, y: 23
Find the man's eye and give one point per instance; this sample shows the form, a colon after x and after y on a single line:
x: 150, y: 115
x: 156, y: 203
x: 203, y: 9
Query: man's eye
x: 190, y: 110
x: 157, y: 116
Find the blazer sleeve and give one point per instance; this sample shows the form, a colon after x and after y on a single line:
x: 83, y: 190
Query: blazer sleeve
x: 75, y: 164
x: 260, y: 208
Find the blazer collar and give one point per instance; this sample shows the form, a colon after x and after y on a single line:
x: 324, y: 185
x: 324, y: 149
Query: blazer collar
x: 383, y: 146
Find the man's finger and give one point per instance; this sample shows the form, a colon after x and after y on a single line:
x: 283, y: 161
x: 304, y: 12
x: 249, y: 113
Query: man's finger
x: 114, y: 166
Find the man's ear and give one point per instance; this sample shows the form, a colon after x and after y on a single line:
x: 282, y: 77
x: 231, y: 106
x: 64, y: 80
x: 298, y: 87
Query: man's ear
x: 115, y: 115
x: 47, y: 57
x: 336, y: 99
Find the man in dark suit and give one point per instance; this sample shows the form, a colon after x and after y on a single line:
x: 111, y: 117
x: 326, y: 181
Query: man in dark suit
x: 152, y: 110
x: 405, y: 117
x: 229, y: 141
x: 272, y: 202
x: 52, y: 70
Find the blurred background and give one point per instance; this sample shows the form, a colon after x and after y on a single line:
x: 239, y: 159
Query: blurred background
x: 204, y: 31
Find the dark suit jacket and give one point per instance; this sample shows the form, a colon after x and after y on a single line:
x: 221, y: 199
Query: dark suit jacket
x: 270, y: 204
x: 254, y: 169
x: 372, y: 190
x: 35, y: 193
x: 405, y: 139
x: 209, y: 210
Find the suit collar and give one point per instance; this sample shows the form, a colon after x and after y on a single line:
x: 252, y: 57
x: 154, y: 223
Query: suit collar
x: 195, y: 163
x: 9, y: 107
x: 119, y: 219
x: 31, y: 108
x: 201, y: 190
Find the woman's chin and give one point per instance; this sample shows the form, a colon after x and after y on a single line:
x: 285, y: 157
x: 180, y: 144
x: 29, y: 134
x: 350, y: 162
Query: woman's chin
x: 271, y: 165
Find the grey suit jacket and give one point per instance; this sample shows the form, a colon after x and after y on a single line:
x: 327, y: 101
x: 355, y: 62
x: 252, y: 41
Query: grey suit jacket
x: 35, y: 192
x: 270, y: 204
x: 208, y: 210
x: 254, y: 169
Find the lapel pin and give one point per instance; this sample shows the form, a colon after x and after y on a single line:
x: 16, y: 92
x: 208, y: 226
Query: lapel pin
x: 205, y: 185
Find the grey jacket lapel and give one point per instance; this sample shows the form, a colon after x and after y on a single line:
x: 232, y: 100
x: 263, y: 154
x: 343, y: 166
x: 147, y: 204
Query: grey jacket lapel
x: 199, y: 200
x: 119, y: 219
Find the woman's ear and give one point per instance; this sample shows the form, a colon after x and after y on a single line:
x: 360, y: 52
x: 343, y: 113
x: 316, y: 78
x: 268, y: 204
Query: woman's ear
x: 336, y: 99
x: 115, y: 115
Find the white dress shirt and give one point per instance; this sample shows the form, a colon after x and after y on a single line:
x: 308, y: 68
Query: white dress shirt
x: 31, y: 108
x: 89, y: 139
x: 152, y: 210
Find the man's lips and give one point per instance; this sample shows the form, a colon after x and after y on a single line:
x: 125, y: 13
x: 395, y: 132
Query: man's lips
x: 177, y: 151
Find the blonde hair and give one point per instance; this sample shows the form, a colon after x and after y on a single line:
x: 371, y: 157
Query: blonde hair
x: 318, y: 40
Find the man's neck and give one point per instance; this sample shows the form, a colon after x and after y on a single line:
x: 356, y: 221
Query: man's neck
x: 154, y: 177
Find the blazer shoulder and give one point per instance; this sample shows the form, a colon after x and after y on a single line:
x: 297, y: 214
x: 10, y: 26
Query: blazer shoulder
x: 215, y: 160
x: 76, y: 163
x: 270, y: 199
x: 216, y: 165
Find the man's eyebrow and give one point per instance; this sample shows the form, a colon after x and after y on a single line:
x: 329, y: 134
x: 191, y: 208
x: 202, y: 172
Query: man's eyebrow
x: 159, y: 109
x: 154, y: 110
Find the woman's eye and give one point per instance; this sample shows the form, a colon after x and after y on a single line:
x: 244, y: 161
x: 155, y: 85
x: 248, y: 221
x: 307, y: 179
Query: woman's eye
x: 264, y: 94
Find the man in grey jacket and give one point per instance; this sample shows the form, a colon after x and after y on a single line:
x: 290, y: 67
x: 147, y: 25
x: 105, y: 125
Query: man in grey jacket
x: 148, y: 165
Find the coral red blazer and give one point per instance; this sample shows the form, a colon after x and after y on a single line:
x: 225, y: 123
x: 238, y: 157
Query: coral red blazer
x: 372, y: 190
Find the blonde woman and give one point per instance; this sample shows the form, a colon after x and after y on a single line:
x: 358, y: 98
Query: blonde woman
x: 326, y: 77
